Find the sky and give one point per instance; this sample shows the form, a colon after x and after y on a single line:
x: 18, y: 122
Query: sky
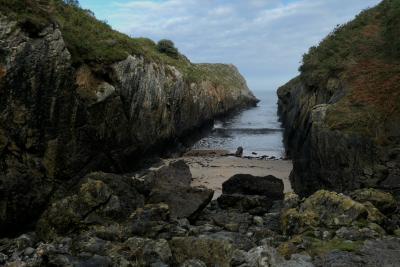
x: 265, y: 39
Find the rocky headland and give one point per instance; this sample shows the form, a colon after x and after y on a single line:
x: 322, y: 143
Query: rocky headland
x: 81, y: 106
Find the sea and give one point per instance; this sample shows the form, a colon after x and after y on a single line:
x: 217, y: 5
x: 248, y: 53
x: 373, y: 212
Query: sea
x: 257, y: 130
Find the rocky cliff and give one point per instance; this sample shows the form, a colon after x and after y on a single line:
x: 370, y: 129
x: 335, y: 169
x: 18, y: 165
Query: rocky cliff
x: 342, y: 114
x: 63, y: 115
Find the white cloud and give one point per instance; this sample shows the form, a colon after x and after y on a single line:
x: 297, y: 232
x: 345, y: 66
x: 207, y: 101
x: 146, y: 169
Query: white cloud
x: 264, y: 38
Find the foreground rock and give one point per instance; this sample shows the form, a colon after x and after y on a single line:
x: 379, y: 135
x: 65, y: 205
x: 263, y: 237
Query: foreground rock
x: 251, y: 193
x: 87, y: 228
x: 142, y: 204
x: 172, y: 186
x: 336, y: 229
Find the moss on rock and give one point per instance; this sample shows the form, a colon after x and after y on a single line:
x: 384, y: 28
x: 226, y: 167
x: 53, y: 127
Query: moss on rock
x: 68, y: 214
x: 383, y: 201
x: 210, y: 251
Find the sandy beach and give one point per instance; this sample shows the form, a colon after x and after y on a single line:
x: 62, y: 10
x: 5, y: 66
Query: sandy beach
x: 210, y: 168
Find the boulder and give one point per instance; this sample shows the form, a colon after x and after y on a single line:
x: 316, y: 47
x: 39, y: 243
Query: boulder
x: 383, y: 201
x: 211, y: 251
x: 378, y: 252
x: 238, y: 240
x: 150, y: 220
x: 232, y: 221
x: 239, y: 152
x: 69, y: 214
x: 99, y: 198
x: 246, y: 184
x: 193, y: 263
x: 291, y: 200
x: 171, y: 185
x: 256, y: 205
x: 148, y: 251
x: 326, y: 209
x: 183, y: 202
x: 268, y: 256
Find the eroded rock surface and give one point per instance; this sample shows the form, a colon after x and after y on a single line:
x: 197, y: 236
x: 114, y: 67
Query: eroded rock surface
x: 60, y: 121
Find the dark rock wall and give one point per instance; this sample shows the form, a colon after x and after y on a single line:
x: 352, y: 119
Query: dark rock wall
x: 326, y: 158
x: 59, y: 122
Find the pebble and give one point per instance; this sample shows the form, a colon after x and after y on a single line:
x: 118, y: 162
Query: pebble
x: 3, y: 258
x: 258, y: 220
x: 29, y: 251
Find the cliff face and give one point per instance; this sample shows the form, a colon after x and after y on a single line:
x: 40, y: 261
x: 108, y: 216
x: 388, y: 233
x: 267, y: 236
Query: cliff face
x: 341, y: 115
x: 59, y: 120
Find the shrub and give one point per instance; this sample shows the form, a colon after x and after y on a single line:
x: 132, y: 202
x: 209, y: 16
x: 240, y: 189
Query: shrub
x: 72, y: 2
x: 168, y: 47
x: 391, y: 24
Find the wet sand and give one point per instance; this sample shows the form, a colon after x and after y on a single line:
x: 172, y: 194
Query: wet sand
x: 210, y: 168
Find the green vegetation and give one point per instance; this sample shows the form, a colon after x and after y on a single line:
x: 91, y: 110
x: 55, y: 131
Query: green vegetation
x: 168, y: 47
x: 321, y: 247
x: 96, y: 44
x: 364, y: 55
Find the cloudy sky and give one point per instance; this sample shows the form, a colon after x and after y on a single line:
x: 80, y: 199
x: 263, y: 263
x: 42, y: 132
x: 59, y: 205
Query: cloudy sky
x: 265, y: 39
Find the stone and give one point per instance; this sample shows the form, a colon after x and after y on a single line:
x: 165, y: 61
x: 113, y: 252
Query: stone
x: 210, y: 251
x: 239, y: 152
x: 149, y: 251
x: 327, y: 209
x: 124, y: 192
x: 355, y: 233
x: 68, y: 214
x: 193, y: 263
x: 258, y: 221
x: 272, y: 221
x: 384, y: 201
x: 171, y: 185
x: 150, y: 220
x: 238, y: 240
x: 29, y: 251
x: 184, y: 202
x: 3, y: 258
x: 238, y: 258
x: 291, y: 200
x: 268, y: 256
x: 379, y: 252
x: 247, y: 184
x: 256, y: 205
x: 392, y: 182
x: 232, y: 220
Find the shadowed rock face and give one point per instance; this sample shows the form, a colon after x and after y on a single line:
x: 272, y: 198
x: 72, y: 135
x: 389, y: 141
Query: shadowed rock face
x: 325, y: 158
x: 341, y: 114
x: 58, y: 122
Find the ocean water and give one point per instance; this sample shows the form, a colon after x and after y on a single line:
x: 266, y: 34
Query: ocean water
x: 257, y: 130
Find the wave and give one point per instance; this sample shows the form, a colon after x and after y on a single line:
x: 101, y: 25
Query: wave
x: 248, y: 131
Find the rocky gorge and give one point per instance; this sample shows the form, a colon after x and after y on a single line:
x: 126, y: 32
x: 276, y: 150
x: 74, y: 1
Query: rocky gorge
x: 75, y: 128
x: 60, y: 121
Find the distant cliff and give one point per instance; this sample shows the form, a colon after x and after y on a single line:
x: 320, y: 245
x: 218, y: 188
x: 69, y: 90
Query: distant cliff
x: 342, y: 114
x: 76, y: 96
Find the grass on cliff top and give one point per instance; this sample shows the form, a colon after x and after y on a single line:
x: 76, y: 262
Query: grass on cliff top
x: 95, y: 43
x: 365, y: 55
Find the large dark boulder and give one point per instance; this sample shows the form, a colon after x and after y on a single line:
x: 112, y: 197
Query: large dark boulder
x: 256, y: 205
x: 171, y: 185
x: 247, y: 184
x: 184, y: 202
x: 99, y: 199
